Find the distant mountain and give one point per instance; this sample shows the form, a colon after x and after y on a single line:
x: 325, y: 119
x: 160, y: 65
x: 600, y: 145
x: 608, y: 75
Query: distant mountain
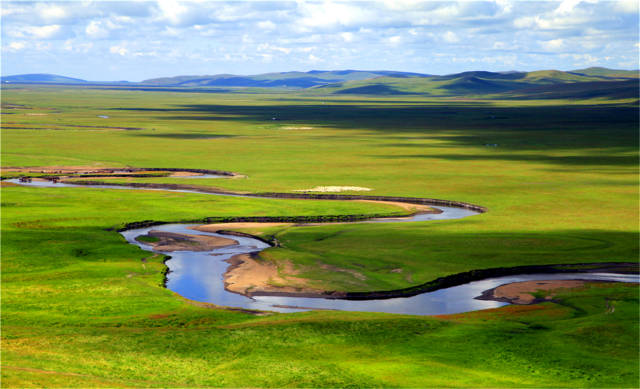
x: 541, y: 84
x: 42, y: 78
x: 627, y: 89
x: 581, y: 83
x: 598, y: 71
x: 276, y: 80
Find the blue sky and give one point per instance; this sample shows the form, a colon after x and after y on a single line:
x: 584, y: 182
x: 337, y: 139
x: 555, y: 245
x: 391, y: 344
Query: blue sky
x: 136, y: 40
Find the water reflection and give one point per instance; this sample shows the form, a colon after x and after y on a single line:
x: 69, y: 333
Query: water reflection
x: 199, y: 276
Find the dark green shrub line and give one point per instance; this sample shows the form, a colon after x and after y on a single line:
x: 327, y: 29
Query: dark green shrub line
x: 480, y: 274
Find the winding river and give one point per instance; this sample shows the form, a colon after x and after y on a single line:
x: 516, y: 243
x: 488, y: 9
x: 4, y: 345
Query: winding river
x: 199, y: 275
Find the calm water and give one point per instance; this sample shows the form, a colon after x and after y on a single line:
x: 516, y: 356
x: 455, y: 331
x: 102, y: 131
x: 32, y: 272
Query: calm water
x: 199, y: 276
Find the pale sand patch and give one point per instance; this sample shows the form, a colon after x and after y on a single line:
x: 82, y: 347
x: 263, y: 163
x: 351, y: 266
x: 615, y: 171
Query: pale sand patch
x: 226, y: 226
x: 170, y: 241
x: 296, y: 128
x: 333, y: 189
x: 406, y: 206
x: 184, y: 174
x: 247, y: 276
x: 37, y: 114
x: 522, y: 292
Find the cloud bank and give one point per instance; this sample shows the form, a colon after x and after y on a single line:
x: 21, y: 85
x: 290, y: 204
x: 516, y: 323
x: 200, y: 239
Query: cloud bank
x: 134, y: 40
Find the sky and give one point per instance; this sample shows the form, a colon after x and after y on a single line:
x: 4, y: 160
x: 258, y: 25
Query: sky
x: 137, y: 40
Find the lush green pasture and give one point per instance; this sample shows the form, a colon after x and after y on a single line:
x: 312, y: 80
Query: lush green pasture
x: 559, y: 179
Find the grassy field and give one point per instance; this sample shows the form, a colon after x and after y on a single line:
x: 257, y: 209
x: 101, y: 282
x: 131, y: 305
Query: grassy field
x: 559, y: 177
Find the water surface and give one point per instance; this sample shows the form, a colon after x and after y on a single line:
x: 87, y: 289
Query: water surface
x: 199, y: 276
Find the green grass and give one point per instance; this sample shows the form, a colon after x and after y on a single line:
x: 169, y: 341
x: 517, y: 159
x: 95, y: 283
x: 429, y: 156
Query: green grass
x: 561, y: 187
x: 150, y: 239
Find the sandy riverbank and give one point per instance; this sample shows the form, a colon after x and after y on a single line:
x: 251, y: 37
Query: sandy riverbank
x: 529, y: 292
x: 248, y: 275
x: 169, y: 241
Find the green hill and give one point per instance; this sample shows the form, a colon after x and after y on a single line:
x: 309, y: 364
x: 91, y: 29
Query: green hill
x: 594, y: 81
x: 538, y: 84
x: 275, y: 80
x: 42, y: 79
x: 599, y: 71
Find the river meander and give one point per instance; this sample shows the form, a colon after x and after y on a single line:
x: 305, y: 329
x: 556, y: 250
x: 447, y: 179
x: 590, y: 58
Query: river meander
x: 199, y: 275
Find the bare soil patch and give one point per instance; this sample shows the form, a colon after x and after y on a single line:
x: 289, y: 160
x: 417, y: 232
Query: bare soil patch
x: 333, y: 189
x: 227, y: 226
x: 524, y: 293
x: 406, y: 206
x: 169, y: 241
x: 250, y: 275
x: 184, y: 174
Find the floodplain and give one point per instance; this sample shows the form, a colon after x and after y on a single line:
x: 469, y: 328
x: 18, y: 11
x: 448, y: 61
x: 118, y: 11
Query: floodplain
x: 81, y: 307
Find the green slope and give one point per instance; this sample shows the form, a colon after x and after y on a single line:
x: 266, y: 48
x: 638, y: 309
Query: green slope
x: 42, y: 78
x: 81, y: 309
x: 542, y: 84
x: 599, y: 71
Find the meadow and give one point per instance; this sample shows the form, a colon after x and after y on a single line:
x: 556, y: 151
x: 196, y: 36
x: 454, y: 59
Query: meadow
x: 559, y: 178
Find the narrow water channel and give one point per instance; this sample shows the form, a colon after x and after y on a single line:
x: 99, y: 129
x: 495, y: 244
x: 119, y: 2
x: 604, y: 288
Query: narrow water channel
x: 199, y: 275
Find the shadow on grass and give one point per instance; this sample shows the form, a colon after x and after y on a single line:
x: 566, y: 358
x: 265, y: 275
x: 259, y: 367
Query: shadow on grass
x: 595, y: 160
x: 611, y: 130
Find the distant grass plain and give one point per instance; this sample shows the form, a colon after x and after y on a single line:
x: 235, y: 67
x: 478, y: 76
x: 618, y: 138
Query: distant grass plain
x: 559, y: 177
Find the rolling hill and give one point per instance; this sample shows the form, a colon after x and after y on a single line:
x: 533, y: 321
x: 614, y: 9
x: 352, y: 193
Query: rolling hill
x: 599, y: 71
x: 538, y: 84
x: 276, y: 80
x: 42, y: 78
x: 581, y: 83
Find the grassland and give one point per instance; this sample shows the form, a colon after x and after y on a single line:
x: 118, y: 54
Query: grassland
x: 559, y: 177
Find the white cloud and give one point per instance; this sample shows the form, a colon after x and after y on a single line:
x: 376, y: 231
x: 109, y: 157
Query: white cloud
x: 52, y: 13
x: 402, y: 5
x: 70, y: 45
x: 566, y: 7
x: 450, y: 37
x: 95, y: 30
x: 394, y: 40
x: 554, y: 44
x: 182, y: 13
x: 267, y: 25
x: 330, y: 14
x: 347, y: 36
x: 120, y: 50
x: 627, y: 6
x: 584, y: 59
x: 272, y: 48
x: 505, y: 6
x: 16, y: 46
x: 172, y: 10
x: 44, y: 32
x: 239, y: 36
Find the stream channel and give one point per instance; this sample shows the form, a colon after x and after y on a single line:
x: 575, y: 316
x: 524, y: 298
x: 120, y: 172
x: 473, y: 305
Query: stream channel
x: 198, y: 276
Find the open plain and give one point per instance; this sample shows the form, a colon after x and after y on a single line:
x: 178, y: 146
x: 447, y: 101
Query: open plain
x: 82, y: 308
